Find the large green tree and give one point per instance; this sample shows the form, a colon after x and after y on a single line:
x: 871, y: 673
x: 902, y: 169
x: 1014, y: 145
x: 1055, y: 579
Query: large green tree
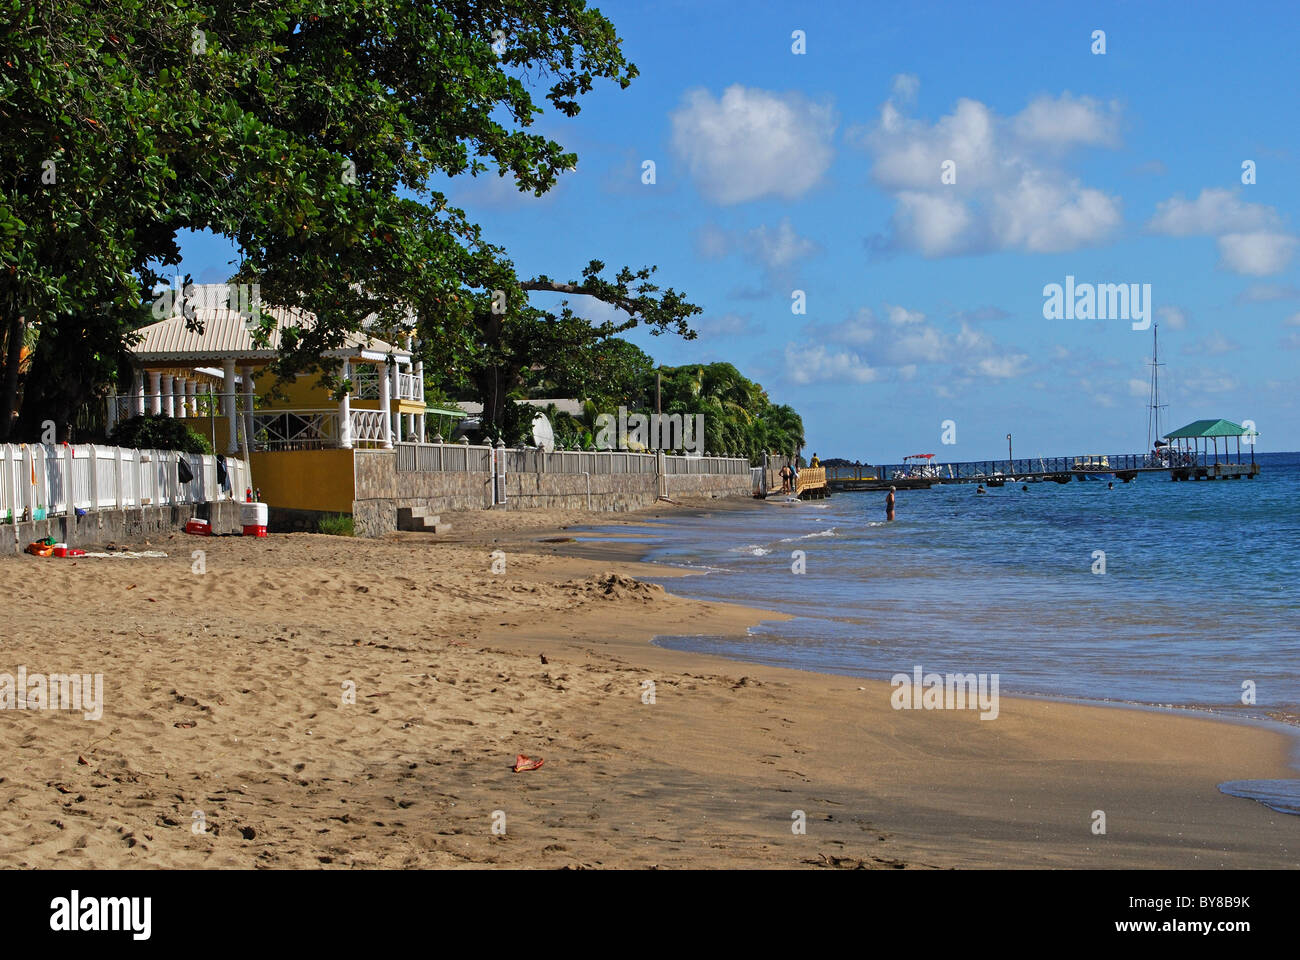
x: 308, y: 132
x: 509, y: 336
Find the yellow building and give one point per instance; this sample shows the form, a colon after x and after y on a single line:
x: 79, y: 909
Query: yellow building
x: 299, y: 445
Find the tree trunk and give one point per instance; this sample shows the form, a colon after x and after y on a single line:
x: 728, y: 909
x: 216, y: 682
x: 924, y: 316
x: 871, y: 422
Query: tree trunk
x: 13, y: 357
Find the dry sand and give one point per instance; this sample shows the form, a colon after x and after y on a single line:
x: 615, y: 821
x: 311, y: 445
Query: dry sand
x: 225, y: 694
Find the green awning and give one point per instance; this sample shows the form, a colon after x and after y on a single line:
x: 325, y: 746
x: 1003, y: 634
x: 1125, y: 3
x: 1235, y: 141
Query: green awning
x: 442, y: 412
x: 1204, y: 429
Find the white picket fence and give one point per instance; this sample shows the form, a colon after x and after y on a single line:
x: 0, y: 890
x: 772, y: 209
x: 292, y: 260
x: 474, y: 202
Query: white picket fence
x: 44, y: 480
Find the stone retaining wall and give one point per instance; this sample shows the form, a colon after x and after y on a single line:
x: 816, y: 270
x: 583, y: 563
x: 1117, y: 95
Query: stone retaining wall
x: 381, y: 490
x: 119, y: 526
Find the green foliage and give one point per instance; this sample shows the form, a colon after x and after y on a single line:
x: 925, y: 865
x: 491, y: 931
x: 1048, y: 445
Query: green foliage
x: 308, y: 133
x: 738, y: 417
x: 149, y: 432
x: 336, y: 525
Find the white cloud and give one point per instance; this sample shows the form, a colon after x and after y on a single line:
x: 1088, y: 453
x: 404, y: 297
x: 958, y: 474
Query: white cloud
x: 903, y: 340
x: 934, y: 225
x: 909, y: 155
x: 901, y: 316
x: 752, y: 143
x: 1004, y: 367
x: 724, y: 325
x: 1203, y: 382
x: 1009, y: 191
x: 1256, y: 254
x: 1215, y: 211
x: 1042, y: 215
x: 905, y: 86
x: 1250, y: 238
x: 815, y: 363
x: 712, y: 242
x: 1067, y: 120
x: 1213, y: 344
x: 1175, y: 318
x: 780, y: 247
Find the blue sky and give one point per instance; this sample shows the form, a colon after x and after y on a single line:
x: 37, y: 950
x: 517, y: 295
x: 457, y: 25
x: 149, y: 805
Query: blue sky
x: 822, y: 172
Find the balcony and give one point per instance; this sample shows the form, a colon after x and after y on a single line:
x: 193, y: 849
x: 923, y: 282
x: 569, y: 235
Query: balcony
x: 410, y: 387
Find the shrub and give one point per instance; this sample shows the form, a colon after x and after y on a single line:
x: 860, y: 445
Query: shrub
x: 338, y: 525
x: 150, y: 432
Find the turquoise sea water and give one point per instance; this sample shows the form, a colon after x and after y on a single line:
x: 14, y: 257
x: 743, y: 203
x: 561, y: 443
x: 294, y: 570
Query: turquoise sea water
x: 1198, y: 601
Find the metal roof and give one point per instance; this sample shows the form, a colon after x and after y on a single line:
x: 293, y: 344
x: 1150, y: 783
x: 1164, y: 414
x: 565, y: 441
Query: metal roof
x: 1210, y: 428
x: 225, y: 334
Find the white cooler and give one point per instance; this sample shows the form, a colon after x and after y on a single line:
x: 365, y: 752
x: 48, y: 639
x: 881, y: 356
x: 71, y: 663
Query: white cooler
x: 253, y: 517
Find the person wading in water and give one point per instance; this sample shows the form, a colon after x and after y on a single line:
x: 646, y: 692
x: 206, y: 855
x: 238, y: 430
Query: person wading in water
x: 889, y: 504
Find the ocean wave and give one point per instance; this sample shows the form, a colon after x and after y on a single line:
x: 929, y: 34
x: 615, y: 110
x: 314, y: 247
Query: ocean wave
x: 829, y: 532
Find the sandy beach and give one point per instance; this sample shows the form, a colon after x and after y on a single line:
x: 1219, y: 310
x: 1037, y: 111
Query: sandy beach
x: 229, y: 739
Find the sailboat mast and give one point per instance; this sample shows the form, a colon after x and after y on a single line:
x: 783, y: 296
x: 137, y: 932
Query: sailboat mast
x: 1154, y: 432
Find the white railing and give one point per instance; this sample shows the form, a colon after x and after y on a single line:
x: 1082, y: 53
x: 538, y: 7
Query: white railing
x: 295, y: 429
x: 433, y: 457
x: 438, y: 457
x: 409, y: 387
x: 365, y: 381
x: 41, y: 480
x: 677, y: 465
x: 368, y: 427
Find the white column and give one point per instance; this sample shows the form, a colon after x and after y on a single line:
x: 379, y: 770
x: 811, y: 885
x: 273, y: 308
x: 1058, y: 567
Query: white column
x: 191, y: 403
x: 167, y: 395
x: 228, y: 404
x: 386, y: 404
x: 155, y: 393
x: 345, y: 411
x: 396, y: 372
x: 179, y: 384
x: 248, y: 408
x: 418, y: 419
x: 137, y: 393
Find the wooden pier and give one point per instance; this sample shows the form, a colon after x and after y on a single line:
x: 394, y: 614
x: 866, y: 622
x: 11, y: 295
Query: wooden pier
x: 812, y: 484
x: 995, y: 473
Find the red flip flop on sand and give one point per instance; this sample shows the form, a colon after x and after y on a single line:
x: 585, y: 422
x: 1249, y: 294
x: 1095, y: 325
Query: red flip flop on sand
x: 523, y: 763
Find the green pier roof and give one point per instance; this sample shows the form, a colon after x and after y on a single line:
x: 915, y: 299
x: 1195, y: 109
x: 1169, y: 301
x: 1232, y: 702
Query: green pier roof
x: 1210, y: 428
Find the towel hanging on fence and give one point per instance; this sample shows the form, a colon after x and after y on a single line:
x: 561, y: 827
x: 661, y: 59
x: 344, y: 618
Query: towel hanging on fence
x: 183, y: 471
x: 223, y: 479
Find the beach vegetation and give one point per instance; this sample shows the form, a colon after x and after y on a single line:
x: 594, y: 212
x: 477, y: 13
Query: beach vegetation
x: 156, y: 432
x: 336, y: 525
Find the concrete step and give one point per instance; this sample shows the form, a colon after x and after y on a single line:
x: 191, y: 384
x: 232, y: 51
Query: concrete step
x: 419, y: 520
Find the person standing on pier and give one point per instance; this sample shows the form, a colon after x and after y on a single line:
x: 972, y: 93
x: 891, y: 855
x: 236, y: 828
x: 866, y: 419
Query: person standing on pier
x: 889, y: 504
